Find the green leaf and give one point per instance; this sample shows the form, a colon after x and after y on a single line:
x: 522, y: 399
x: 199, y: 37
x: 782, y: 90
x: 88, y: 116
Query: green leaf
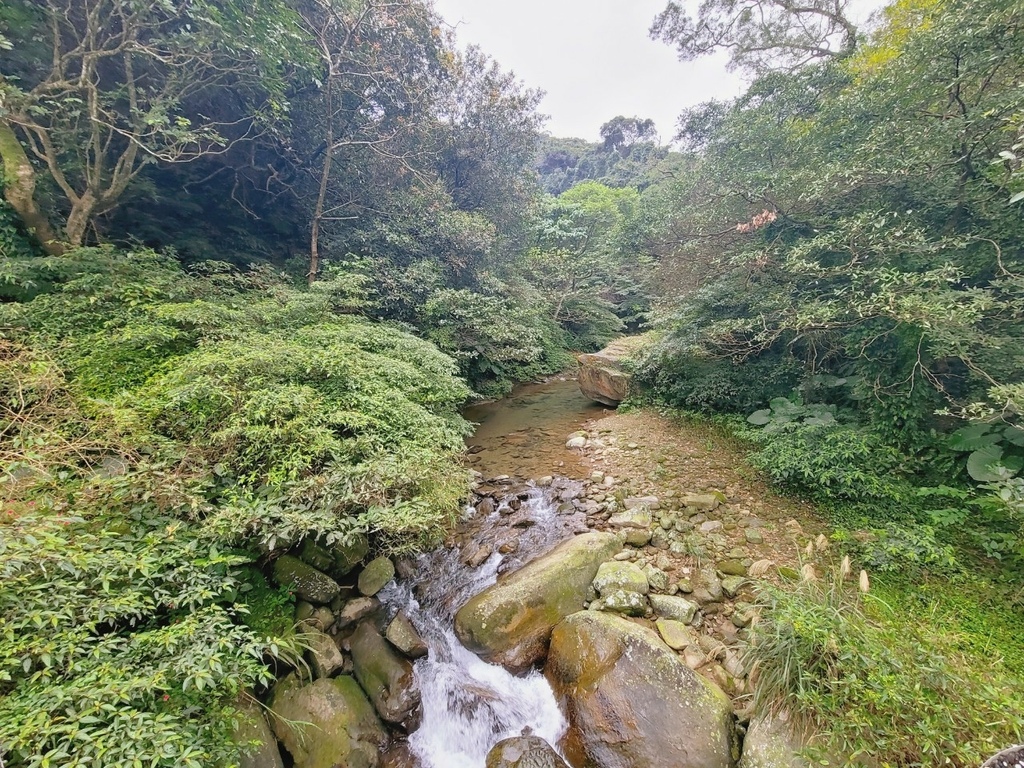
x: 980, y: 462
x: 760, y: 418
x: 973, y: 437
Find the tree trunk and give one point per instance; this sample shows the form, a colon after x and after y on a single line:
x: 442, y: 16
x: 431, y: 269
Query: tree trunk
x: 19, y: 190
x: 82, y: 210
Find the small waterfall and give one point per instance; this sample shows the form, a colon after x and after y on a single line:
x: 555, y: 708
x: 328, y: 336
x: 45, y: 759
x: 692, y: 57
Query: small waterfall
x: 468, y: 705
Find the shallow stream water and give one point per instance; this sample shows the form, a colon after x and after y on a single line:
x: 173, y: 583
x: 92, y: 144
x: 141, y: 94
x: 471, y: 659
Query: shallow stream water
x: 469, y: 705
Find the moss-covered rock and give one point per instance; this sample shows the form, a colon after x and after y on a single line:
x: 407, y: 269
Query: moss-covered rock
x: 375, y: 575
x: 632, y: 702
x: 386, y: 676
x: 615, y: 575
x: 510, y: 622
x: 677, y: 608
x: 254, y: 735
x: 304, y: 580
x: 327, y: 724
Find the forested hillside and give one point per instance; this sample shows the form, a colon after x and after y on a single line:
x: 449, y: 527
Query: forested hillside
x: 257, y: 255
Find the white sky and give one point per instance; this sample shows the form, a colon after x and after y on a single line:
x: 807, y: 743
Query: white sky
x: 593, y: 59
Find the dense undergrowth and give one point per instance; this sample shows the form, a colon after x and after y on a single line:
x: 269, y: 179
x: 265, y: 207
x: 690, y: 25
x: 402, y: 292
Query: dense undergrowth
x: 161, y: 430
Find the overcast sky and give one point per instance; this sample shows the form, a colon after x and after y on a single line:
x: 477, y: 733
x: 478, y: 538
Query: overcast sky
x: 593, y: 59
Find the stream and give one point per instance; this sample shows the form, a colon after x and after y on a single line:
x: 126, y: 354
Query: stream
x: 469, y: 705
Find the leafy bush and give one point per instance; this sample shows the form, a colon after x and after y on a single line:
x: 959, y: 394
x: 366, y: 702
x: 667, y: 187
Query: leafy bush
x: 876, y: 684
x: 829, y: 461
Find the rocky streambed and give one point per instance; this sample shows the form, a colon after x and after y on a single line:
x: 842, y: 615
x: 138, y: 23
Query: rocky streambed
x: 565, y: 621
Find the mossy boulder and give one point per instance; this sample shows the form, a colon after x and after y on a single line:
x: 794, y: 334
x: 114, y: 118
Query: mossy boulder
x: 327, y: 724
x: 632, y: 702
x: 376, y: 575
x: 510, y: 622
x: 615, y: 575
x: 676, y: 608
x: 254, y: 735
x: 386, y: 676
x: 304, y: 580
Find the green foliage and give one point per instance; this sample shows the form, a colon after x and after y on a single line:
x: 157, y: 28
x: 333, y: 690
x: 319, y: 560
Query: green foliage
x: 829, y: 460
x: 877, y: 684
x: 120, y: 639
x: 163, y: 426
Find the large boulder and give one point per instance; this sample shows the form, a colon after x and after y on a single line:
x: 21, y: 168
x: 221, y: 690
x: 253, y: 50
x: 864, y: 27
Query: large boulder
x: 524, y: 752
x: 631, y: 702
x: 327, y: 724
x: 386, y: 676
x: 776, y: 742
x: 601, y: 376
x: 510, y: 622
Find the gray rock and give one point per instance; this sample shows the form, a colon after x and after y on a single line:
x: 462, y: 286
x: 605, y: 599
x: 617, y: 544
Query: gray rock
x: 630, y: 700
x: 327, y: 724
x: 403, y: 635
x: 731, y: 585
x: 524, y: 752
x: 625, y: 603
x: 649, y: 502
x: 677, y: 608
x: 638, y: 537
x: 356, y: 610
x: 510, y: 622
x: 576, y: 442
x: 754, y: 536
x: 376, y: 575
x: 656, y: 578
x: 324, y: 657
x: 614, y: 575
x: 386, y: 677
x: 253, y: 734
x: 676, y: 635
x: 637, y: 517
x: 304, y: 580
x: 702, y: 502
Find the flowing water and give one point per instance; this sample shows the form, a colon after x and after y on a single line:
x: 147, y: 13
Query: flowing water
x: 469, y: 705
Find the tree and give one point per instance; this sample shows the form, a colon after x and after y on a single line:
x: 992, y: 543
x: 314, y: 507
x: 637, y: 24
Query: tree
x: 119, y: 85
x: 760, y: 34
x: 620, y: 133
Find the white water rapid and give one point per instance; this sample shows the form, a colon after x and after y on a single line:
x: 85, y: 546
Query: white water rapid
x: 468, y: 705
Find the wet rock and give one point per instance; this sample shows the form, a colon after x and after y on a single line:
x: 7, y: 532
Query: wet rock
x: 386, y: 677
x: 510, y: 622
x: 677, y: 608
x: 327, y: 724
x: 403, y: 635
x: 257, y: 740
x: 614, y: 575
x: 399, y: 755
x: 631, y: 701
x: 625, y: 603
x: 478, y: 556
x: 524, y: 752
x: 576, y: 442
x: 485, y: 507
x: 324, y: 657
x: 375, y: 575
x: 676, y: 634
x: 304, y: 580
